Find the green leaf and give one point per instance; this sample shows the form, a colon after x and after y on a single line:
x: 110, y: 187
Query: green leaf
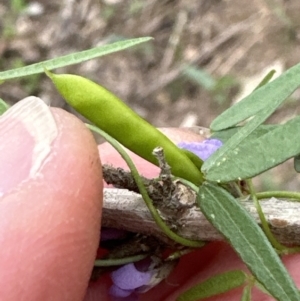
x: 235, y: 223
x: 263, y: 101
x: 235, y: 140
x: 225, y: 135
x: 71, y: 59
x: 266, y: 79
x: 201, y: 77
x: 254, y: 156
x: 3, y: 106
x: 214, y: 286
x: 269, y: 95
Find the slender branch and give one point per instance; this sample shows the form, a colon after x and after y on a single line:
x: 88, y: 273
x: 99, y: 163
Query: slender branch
x: 159, y: 220
x: 125, y: 209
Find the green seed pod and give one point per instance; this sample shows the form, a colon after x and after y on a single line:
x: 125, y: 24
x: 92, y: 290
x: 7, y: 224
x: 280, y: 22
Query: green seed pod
x: 114, y: 117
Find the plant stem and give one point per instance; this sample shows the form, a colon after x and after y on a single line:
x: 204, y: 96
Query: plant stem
x: 278, y: 194
x: 143, y: 192
x: 119, y: 261
x: 278, y: 246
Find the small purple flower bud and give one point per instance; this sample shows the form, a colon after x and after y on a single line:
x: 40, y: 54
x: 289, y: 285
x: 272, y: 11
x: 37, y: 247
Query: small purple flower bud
x: 128, y: 277
x: 202, y: 149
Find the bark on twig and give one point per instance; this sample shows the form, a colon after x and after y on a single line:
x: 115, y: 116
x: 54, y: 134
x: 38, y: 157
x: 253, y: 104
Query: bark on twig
x: 124, y: 209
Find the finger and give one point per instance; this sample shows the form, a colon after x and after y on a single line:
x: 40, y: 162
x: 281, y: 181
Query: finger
x: 50, y: 205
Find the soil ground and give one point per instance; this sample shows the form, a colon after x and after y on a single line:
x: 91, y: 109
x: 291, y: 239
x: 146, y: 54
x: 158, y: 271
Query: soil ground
x: 228, y: 44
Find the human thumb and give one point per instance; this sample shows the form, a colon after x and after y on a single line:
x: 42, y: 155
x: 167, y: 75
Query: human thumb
x: 50, y: 203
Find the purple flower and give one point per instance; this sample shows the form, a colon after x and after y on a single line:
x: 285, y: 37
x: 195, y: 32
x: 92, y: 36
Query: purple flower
x: 127, y: 279
x: 121, y: 278
x: 202, y: 149
x: 135, y: 278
